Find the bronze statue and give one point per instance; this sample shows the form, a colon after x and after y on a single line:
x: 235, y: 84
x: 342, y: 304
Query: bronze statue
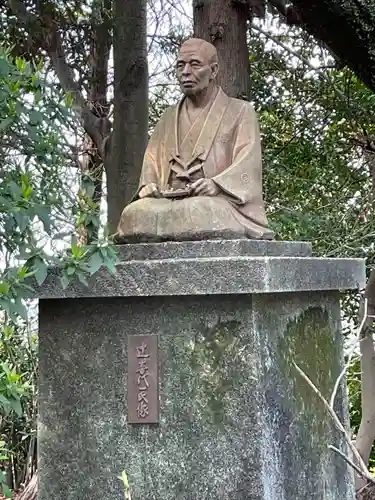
x: 202, y: 171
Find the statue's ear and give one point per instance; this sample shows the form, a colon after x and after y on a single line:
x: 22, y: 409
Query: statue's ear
x: 214, y: 70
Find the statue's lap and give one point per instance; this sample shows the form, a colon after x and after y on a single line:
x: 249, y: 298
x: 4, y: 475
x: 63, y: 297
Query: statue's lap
x: 194, y: 217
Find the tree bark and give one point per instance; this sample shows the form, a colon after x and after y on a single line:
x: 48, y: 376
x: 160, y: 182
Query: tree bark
x: 129, y: 138
x: 366, y: 432
x: 346, y: 27
x: 224, y: 24
x: 101, y: 41
x: 31, y: 490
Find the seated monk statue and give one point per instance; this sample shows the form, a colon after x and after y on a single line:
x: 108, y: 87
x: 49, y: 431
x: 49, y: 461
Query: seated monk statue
x: 202, y: 171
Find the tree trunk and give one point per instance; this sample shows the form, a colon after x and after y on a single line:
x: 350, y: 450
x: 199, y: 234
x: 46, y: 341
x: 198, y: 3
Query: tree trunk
x: 367, y: 493
x: 129, y: 138
x: 346, y: 27
x: 224, y: 24
x: 366, y: 432
x: 31, y: 490
x: 92, y: 165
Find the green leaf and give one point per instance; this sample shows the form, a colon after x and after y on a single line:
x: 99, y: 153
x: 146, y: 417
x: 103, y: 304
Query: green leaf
x: 77, y: 250
x: 112, y: 254
x: 41, y: 271
x: 15, y: 190
x: 35, y: 117
x: 23, y: 272
x: 6, y: 491
x: 5, y: 305
x: 104, y: 251
x: 33, y: 132
x: 124, y: 478
x: 4, y: 401
x: 28, y: 192
x: 18, y: 308
x: 69, y: 99
x: 20, y: 63
x: 89, y: 187
x: 82, y: 279
x: 64, y: 281
x: 5, y: 203
x: 109, y: 264
x: 4, y: 67
x: 22, y: 220
x: 4, y: 288
x: 37, y: 96
x: 70, y: 270
x: 16, y: 407
x: 95, y: 262
x: 44, y: 214
x: 4, y: 124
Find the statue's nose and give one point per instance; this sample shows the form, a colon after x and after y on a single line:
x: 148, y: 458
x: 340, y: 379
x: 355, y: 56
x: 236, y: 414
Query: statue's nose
x: 186, y: 70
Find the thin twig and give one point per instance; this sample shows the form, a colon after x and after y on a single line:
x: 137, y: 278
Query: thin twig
x: 352, y: 110
x: 285, y: 47
x: 347, y: 459
x: 364, y: 471
x: 357, y: 339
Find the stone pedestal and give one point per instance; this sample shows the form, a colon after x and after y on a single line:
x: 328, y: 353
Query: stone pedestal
x: 237, y: 422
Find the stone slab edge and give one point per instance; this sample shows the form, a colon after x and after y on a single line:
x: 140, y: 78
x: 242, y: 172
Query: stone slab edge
x: 207, y: 276
x: 213, y: 248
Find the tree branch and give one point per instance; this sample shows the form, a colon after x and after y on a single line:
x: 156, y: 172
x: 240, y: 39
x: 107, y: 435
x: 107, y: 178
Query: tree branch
x: 350, y: 356
x: 362, y: 466
x: 366, y: 432
x: 347, y: 459
x: 44, y: 31
x: 354, y: 112
x: 346, y: 28
x: 288, y: 12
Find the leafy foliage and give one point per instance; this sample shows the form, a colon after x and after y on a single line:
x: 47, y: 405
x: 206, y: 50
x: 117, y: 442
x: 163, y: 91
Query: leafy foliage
x: 41, y: 204
x: 317, y: 120
x: 18, y: 372
x: 318, y: 183
x: 31, y: 189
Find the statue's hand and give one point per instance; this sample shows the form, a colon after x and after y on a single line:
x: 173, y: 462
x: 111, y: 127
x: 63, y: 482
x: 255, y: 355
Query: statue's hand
x: 150, y: 191
x: 205, y: 187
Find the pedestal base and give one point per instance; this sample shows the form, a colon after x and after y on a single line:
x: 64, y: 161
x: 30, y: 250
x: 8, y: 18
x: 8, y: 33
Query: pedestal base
x: 237, y: 422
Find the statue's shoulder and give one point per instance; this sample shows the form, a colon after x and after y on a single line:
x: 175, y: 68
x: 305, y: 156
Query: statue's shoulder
x: 241, y: 105
x: 239, y: 110
x: 171, y: 110
x: 169, y: 113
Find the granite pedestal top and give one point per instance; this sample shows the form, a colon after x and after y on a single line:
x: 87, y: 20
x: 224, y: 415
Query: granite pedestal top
x: 213, y: 267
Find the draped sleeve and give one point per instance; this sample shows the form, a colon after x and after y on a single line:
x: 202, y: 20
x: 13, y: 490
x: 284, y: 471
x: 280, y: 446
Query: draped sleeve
x: 155, y: 154
x: 242, y: 179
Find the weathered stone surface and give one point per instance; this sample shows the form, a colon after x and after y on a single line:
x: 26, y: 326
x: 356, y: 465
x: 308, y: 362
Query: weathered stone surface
x: 216, y: 275
x: 237, y: 422
x: 213, y: 248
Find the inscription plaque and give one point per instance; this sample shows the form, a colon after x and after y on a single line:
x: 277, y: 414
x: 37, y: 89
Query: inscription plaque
x: 143, y: 379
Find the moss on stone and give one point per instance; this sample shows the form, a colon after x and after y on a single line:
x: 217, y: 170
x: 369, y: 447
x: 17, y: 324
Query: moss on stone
x: 309, y: 342
x: 213, y: 362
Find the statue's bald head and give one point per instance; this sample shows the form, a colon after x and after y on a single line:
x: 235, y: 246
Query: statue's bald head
x: 198, y: 45
x: 197, y: 66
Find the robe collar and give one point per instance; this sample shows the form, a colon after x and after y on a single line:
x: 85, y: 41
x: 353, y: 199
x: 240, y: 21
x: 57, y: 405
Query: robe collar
x: 208, y: 132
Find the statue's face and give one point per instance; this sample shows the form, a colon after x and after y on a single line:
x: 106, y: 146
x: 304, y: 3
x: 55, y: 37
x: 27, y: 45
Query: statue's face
x: 195, y: 71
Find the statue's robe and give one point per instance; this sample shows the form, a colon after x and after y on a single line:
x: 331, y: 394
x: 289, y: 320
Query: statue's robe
x: 223, y: 144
